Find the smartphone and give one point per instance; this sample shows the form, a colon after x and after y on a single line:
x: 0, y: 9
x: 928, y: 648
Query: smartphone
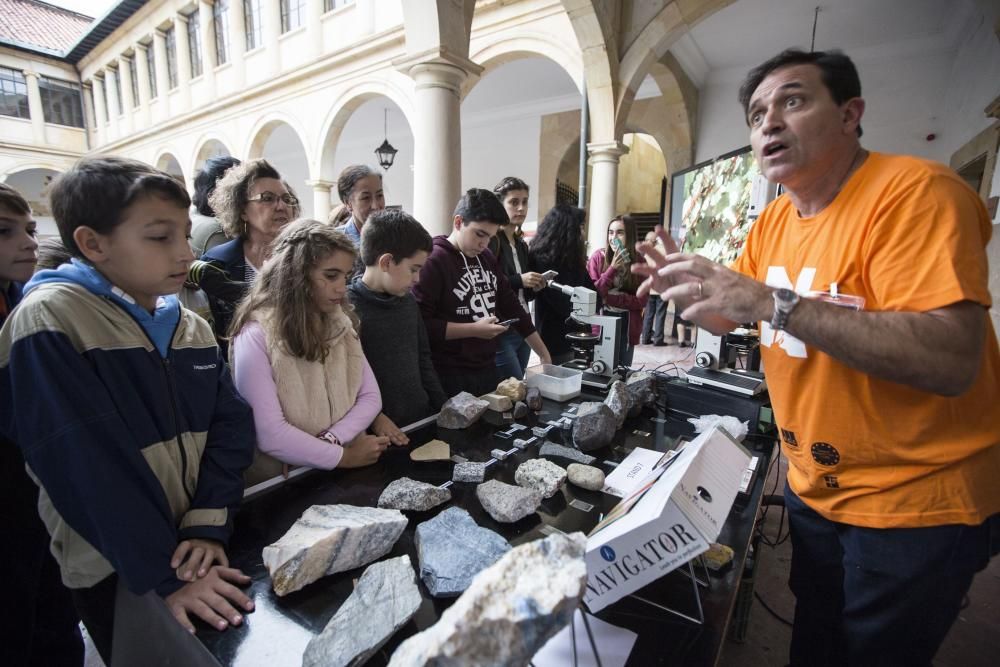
x: 550, y: 275
x: 618, y: 244
x: 507, y: 323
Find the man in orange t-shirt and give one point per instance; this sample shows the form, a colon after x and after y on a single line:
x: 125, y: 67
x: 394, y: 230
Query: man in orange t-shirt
x: 869, y: 277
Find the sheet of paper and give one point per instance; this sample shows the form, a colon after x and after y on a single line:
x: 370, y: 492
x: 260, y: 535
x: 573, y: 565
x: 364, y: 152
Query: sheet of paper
x: 614, y: 644
x: 631, y: 472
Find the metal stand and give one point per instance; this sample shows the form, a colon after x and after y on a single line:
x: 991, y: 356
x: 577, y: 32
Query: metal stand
x: 572, y: 634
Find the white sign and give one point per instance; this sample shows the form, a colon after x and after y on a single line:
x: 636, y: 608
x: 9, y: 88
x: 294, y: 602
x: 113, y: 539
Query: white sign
x: 632, y: 471
x: 674, y: 515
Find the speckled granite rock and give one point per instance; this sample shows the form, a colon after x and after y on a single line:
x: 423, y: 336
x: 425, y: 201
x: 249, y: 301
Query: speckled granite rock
x: 385, y: 598
x: 461, y: 411
x: 594, y: 427
x: 328, y: 539
x: 513, y: 389
x: 409, y: 494
x: 453, y: 549
x: 470, y: 471
x: 507, y: 503
x: 586, y: 477
x: 549, y: 448
x: 541, y: 475
x: 509, y: 611
x: 617, y: 400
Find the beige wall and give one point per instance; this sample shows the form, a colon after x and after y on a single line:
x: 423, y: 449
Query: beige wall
x: 640, y: 175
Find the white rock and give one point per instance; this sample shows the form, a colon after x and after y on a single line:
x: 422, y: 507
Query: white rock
x: 507, y: 503
x: 586, y: 477
x: 541, y: 475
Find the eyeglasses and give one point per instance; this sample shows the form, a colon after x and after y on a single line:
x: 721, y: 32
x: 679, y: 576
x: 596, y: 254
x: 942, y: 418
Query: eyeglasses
x: 271, y: 199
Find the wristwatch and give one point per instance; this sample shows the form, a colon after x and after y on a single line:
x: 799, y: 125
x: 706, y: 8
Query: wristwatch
x: 785, y: 301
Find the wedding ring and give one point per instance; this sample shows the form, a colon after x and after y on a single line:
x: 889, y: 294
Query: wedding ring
x: 701, y: 291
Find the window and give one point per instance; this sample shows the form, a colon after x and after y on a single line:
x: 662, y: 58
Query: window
x: 330, y: 5
x: 171, y: 40
x: 61, y: 102
x: 251, y: 16
x: 118, y: 89
x: 151, y: 70
x: 194, y: 42
x: 133, y: 82
x: 220, y: 11
x: 292, y: 14
x: 13, y: 93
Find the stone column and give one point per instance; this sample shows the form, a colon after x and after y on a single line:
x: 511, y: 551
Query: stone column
x: 321, y: 199
x: 100, y: 124
x: 111, y: 99
x: 140, y: 69
x: 35, y: 107
x: 237, y: 42
x: 314, y: 26
x: 206, y: 28
x: 183, y: 61
x: 162, y: 79
x: 126, y: 67
x: 604, y: 158
x: 271, y: 29
x: 90, y: 122
x: 437, y: 137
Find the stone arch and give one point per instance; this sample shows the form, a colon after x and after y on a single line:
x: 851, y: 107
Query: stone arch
x: 166, y: 160
x: 640, y: 172
x: 593, y: 29
x: 500, y: 49
x: 265, y: 127
x: 208, y: 146
x: 33, y: 181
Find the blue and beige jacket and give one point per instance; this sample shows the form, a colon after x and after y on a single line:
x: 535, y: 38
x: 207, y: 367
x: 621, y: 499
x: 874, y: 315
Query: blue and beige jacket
x: 129, y: 423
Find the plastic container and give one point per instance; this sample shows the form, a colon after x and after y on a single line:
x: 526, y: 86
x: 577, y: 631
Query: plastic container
x: 555, y: 382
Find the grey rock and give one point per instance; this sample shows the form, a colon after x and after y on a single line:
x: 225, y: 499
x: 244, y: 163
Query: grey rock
x: 533, y: 397
x: 469, y: 471
x: 453, y: 549
x: 328, y: 539
x: 552, y: 449
x: 513, y: 389
x: 586, y: 477
x: 507, y: 503
x: 641, y: 390
x: 500, y: 454
x: 541, y: 475
x: 520, y: 409
x: 617, y: 400
x: 385, y: 598
x: 461, y: 411
x: 509, y: 611
x: 594, y: 427
x: 409, y: 494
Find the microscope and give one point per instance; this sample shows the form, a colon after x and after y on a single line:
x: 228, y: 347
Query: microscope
x: 598, y: 355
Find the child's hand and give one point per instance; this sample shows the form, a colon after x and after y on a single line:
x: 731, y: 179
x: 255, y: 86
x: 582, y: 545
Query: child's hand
x: 386, y: 427
x: 193, y: 558
x: 364, y: 450
x: 209, y: 597
x: 488, y: 328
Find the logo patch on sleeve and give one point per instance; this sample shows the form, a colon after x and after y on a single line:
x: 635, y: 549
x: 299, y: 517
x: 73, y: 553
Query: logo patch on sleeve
x: 825, y: 454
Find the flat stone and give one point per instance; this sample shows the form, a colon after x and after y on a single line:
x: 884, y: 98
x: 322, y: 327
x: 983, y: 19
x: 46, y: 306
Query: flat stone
x: 500, y: 454
x: 594, y: 427
x: 552, y: 449
x: 509, y: 612
x: 507, y: 503
x: 641, y: 390
x: 435, y: 450
x: 385, y: 598
x: 409, y: 494
x: 498, y: 403
x: 470, y: 471
x: 328, y: 539
x: 617, y: 400
x: 541, y: 475
x: 461, y: 411
x: 453, y: 549
x: 520, y: 409
x: 513, y: 389
x: 533, y: 397
x: 586, y: 477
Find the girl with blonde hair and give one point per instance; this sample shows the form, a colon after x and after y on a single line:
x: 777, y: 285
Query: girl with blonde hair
x: 297, y: 359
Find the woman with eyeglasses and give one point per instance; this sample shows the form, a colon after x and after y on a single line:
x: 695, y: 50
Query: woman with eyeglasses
x: 252, y: 203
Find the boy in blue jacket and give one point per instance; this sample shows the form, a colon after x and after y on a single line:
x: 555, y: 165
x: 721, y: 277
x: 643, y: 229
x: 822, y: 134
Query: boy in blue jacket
x: 122, y: 406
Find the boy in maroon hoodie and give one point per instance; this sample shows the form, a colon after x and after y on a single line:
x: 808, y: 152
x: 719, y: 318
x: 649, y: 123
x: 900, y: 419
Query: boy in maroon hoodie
x: 466, y: 300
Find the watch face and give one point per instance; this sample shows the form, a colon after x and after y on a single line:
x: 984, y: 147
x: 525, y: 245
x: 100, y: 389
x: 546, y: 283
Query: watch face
x: 786, y: 295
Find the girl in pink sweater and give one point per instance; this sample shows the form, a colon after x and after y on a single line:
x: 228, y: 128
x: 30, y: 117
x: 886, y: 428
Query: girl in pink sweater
x: 297, y: 359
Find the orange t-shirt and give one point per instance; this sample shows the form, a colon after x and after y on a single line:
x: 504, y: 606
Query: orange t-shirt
x: 904, y: 234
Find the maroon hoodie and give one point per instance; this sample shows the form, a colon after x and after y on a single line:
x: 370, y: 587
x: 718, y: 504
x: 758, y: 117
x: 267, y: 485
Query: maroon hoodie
x: 454, y: 288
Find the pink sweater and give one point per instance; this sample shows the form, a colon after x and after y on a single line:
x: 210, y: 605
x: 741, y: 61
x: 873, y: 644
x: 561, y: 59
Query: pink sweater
x: 603, y: 277
x: 275, y: 436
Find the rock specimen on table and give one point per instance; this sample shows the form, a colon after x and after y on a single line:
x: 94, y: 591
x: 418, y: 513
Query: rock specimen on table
x: 513, y: 389
x: 507, y: 503
x: 385, y: 598
x: 541, y: 475
x: 328, y: 539
x: 617, y: 400
x: 641, y: 390
x: 586, y: 477
x: 533, y: 397
x: 498, y: 403
x: 520, y: 409
x: 453, y: 549
x: 461, y: 411
x: 409, y: 494
x: 469, y: 471
x: 594, y: 427
x: 509, y: 612
x: 549, y: 448
x: 435, y: 450
x: 500, y: 454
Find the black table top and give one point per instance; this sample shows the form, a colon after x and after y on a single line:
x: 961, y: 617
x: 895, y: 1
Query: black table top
x: 277, y: 631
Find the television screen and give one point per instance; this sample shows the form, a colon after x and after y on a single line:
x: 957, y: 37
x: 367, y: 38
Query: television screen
x: 710, y: 204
